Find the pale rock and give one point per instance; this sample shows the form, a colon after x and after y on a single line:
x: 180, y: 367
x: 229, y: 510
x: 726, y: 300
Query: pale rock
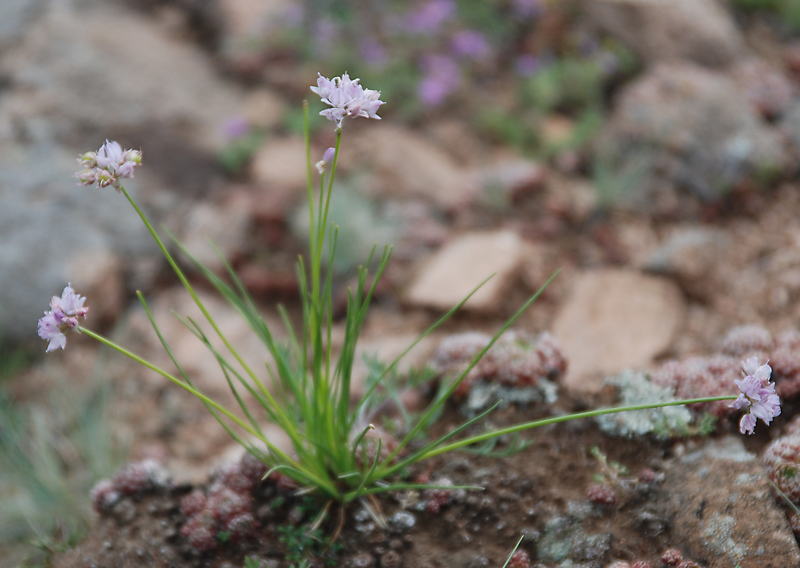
x: 53, y: 233
x: 686, y: 126
x: 226, y: 225
x: 508, y: 180
x: 281, y: 163
x: 99, y: 276
x: 248, y: 18
x: 722, y: 511
x: 263, y: 108
x: 406, y: 163
x: 689, y: 254
x: 454, y: 271
x: 15, y: 17
x: 615, y: 320
x: 579, y: 194
x: 123, y: 75
x: 702, y: 31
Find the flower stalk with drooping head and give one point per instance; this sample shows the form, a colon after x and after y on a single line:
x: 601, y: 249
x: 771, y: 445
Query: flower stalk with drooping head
x: 63, y: 315
x: 757, y: 396
x: 108, y: 165
x: 348, y: 98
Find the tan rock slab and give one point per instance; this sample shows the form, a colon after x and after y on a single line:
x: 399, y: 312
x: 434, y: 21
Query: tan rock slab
x: 409, y: 164
x: 614, y: 320
x: 281, y: 162
x: 460, y: 266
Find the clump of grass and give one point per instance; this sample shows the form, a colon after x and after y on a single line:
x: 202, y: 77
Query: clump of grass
x: 50, y: 455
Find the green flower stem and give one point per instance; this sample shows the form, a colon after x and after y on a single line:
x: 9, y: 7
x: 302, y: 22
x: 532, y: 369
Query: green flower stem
x: 558, y: 419
x: 241, y: 423
x: 278, y: 409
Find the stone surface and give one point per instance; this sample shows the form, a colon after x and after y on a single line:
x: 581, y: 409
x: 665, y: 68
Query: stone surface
x: 15, y: 17
x: 124, y: 75
x: 263, y: 108
x: 689, y: 127
x: 406, y: 163
x: 226, y: 224
x: 52, y: 233
x: 614, y: 320
x: 702, y: 31
x: 281, y: 162
x: 767, y: 88
x: 245, y: 19
x: 688, y: 254
x: 722, y: 511
x: 460, y: 266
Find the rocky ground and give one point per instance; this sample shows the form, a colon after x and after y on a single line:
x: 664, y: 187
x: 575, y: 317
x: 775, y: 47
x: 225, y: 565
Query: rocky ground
x: 691, y: 231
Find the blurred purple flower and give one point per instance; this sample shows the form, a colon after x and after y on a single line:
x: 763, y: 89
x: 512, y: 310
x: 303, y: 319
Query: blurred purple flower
x: 430, y: 16
x: 442, y: 77
x: 524, y: 9
x: 293, y: 15
x: 235, y: 127
x: 372, y: 52
x: 527, y: 65
x: 324, y: 33
x: 471, y: 44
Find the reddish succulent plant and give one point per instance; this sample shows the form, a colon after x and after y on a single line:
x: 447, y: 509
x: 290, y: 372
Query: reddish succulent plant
x: 601, y: 495
x: 242, y: 526
x: 782, y: 458
x: 193, y: 503
x: 131, y: 479
x: 519, y: 559
x: 671, y: 557
x: 103, y: 495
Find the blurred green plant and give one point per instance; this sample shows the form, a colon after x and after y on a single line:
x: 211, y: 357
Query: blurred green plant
x: 50, y: 456
x: 787, y: 10
x: 617, y: 176
x: 13, y: 359
x: 234, y: 156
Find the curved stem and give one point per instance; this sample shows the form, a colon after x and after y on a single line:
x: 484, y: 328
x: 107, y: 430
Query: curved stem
x: 558, y: 419
x: 553, y: 420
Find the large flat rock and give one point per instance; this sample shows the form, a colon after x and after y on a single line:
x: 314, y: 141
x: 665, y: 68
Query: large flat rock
x: 460, y: 266
x: 722, y: 511
x: 614, y: 320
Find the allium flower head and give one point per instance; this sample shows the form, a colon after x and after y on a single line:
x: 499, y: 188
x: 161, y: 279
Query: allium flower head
x: 108, y: 165
x: 63, y: 315
x: 757, y: 396
x: 348, y: 98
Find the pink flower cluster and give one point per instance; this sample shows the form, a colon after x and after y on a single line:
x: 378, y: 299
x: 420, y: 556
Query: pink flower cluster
x: 108, y: 165
x: 757, y: 396
x: 348, y: 98
x: 63, y: 315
